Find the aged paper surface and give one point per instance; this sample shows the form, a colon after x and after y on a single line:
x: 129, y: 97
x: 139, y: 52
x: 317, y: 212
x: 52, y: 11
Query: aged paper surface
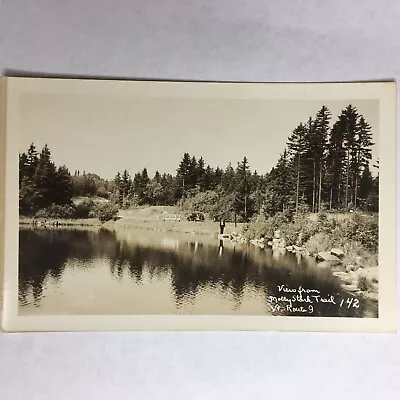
x: 54, y: 101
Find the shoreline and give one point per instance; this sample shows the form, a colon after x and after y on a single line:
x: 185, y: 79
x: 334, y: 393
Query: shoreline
x: 348, y: 278
x: 190, y: 227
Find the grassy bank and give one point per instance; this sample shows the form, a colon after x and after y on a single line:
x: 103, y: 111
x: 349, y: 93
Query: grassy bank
x: 158, y: 218
x: 152, y: 218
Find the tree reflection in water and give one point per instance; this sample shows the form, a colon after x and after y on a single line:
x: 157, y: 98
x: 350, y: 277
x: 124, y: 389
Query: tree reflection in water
x: 191, y: 265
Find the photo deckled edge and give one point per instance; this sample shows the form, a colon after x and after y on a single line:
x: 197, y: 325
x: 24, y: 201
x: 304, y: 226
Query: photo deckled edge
x: 387, y: 308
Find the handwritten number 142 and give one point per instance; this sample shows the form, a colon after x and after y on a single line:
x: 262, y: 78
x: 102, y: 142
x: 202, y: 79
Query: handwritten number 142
x: 350, y: 302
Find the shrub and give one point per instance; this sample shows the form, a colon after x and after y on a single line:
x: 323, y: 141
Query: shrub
x: 57, y: 211
x: 318, y: 242
x: 104, y: 211
x: 83, y: 209
x: 364, y: 284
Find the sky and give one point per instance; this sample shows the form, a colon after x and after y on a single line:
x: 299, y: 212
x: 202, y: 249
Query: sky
x: 105, y: 135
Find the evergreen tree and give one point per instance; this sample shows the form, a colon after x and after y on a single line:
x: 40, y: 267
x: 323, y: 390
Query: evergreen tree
x: 322, y: 120
x: 280, y: 185
x: 336, y: 157
x: 350, y: 117
x: 228, y: 179
x: 297, y: 147
x: 118, y: 189
x: 63, y: 186
x: 200, y: 174
x: 242, y: 181
x: 45, y: 178
x: 362, y: 152
x: 183, y: 175
x: 366, y: 184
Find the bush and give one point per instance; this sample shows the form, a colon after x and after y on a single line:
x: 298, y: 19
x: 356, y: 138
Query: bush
x: 104, y: 212
x: 57, y: 211
x: 318, y: 242
x: 83, y: 209
x: 364, y: 284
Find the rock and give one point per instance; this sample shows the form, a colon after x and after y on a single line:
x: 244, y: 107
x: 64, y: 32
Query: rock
x: 324, y: 264
x: 350, y: 288
x: 277, y: 234
x: 359, y: 261
x: 328, y: 257
x: 269, y: 243
x: 337, y: 252
x: 350, y: 267
x: 371, y: 273
x: 289, y: 248
x: 371, y: 296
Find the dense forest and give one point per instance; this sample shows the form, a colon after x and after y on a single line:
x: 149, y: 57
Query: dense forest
x: 324, y: 166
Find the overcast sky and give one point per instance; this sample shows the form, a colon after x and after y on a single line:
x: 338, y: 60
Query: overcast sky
x: 105, y: 135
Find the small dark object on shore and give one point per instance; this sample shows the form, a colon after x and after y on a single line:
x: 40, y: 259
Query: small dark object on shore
x: 197, y: 216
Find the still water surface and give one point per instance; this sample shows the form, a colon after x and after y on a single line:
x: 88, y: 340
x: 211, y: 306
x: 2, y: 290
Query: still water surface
x: 74, y: 271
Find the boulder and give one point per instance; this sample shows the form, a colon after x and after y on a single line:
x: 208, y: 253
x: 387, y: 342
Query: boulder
x: 350, y: 288
x: 337, y: 252
x: 372, y: 274
x: 277, y: 234
x: 327, y: 257
x: 350, y: 267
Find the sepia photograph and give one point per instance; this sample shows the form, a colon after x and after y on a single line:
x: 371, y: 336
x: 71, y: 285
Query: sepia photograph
x: 199, y: 199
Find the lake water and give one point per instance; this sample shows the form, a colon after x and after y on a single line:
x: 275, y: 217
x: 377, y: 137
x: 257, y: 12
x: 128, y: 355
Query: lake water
x: 125, y: 272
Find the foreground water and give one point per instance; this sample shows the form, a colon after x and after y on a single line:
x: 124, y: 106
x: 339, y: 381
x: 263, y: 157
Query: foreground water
x: 65, y: 271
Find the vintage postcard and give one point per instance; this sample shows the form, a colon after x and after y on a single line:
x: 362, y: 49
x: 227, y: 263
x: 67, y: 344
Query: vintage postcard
x: 150, y: 205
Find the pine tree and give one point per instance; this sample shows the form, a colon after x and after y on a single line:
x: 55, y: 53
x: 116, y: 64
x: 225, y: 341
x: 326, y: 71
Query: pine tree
x: 118, y: 189
x: 183, y: 175
x: 366, y: 184
x: 362, y: 152
x: 310, y: 165
x: 243, y: 189
x: 208, y: 178
x: 32, y: 161
x: 350, y: 116
x: 44, y: 178
x: 321, y: 129
x: 297, y: 147
x: 63, y: 186
x: 200, y: 174
x: 336, y: 157
x: 228, y: 179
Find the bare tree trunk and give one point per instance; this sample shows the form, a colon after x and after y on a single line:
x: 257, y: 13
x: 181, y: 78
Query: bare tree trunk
x: 346, y: 197
x: 313, y: 193
x: 355, y: 192
x: 298, y: 184
x: 245, y: 208
x: 330, y: 197
x: 356, y: 181
x: 320, y: 187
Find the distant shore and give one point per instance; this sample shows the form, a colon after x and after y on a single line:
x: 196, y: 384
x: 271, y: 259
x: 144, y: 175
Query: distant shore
x: 204, y: 228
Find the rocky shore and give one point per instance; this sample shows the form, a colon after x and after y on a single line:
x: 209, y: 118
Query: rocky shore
x: 355, y: 277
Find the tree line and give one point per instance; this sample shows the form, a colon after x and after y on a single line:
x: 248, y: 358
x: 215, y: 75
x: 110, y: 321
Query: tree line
x: 324, y: 166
